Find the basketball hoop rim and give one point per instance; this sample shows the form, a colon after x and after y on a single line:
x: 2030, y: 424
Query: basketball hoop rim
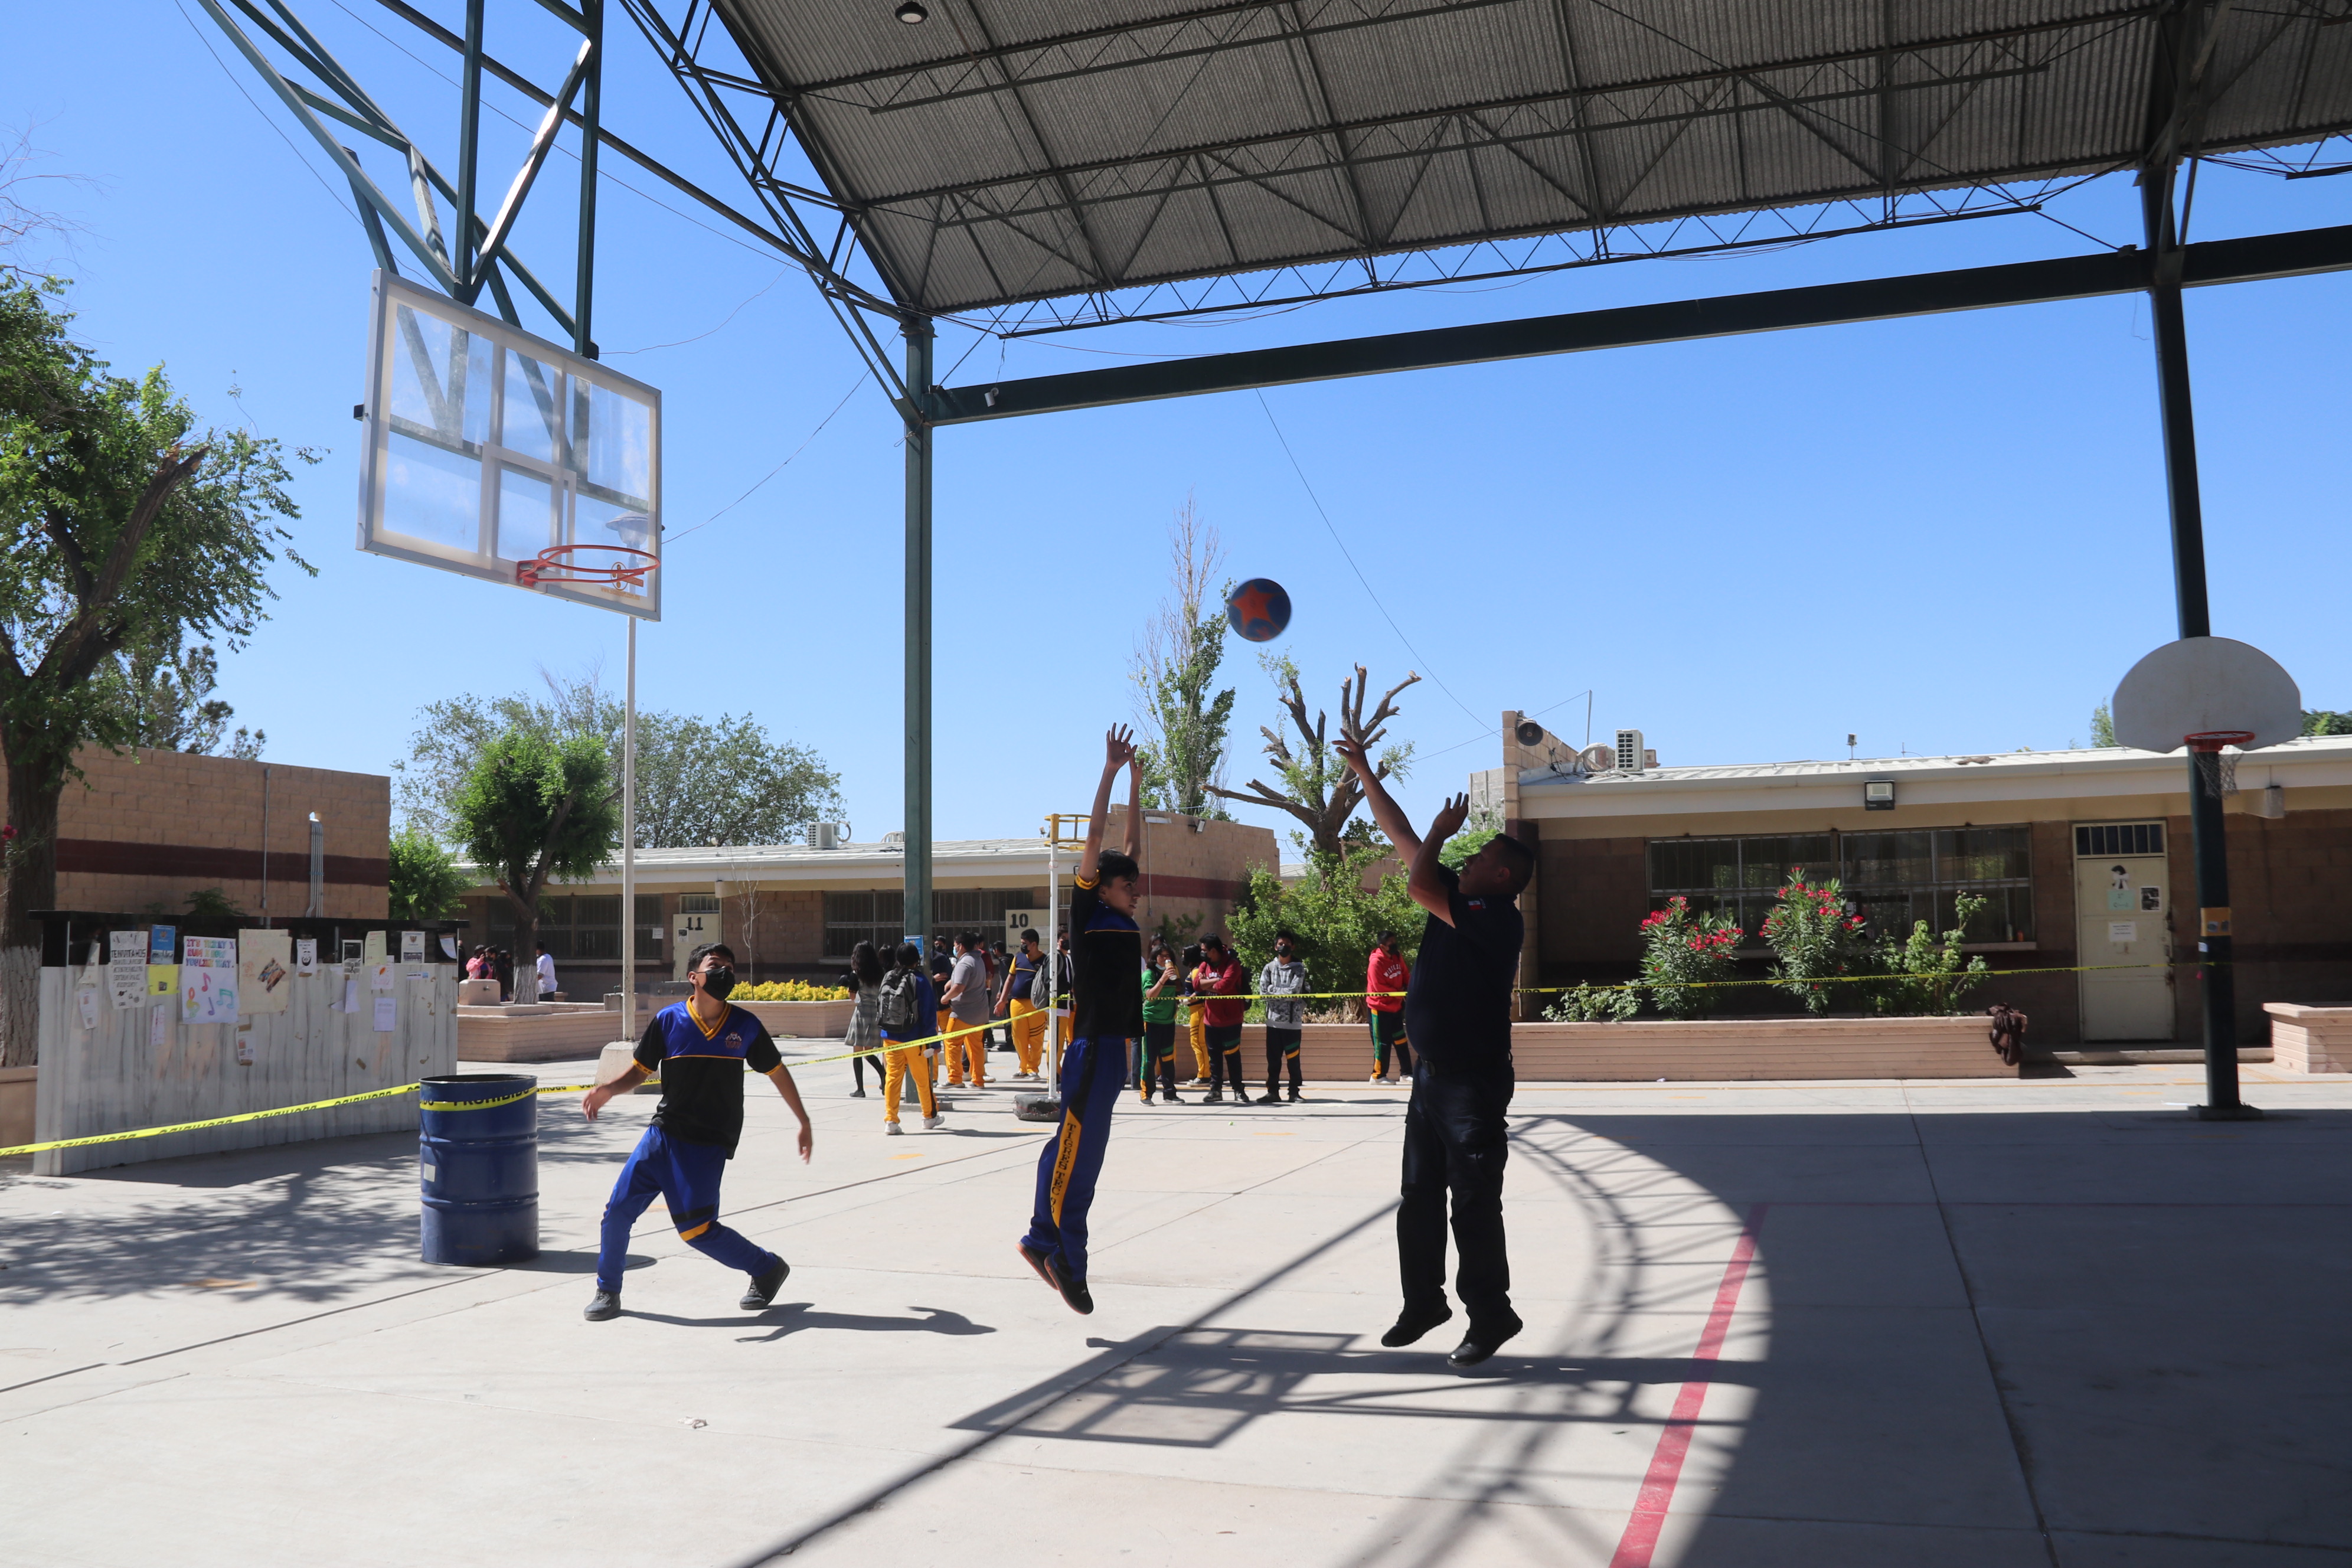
x: 2209, y: 741
x: 544, y: 567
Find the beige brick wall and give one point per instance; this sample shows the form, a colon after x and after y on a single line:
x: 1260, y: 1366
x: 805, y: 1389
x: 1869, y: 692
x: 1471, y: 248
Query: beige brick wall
x: 151, y: 826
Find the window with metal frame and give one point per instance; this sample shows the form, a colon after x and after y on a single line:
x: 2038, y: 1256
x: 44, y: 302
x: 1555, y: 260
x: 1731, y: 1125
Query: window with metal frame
x: 1892, y: 879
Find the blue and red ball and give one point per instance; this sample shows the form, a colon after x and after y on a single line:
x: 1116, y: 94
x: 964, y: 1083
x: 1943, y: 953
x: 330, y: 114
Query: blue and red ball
x: 1258, y: 609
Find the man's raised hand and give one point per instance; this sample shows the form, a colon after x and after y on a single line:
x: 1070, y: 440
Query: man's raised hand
x: 1119, y: 747
x: 1450, y: 816
x: 1351, y: 751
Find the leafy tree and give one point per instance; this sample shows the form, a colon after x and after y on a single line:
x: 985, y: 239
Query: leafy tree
x: 2102, y: 726
x: 167, y: 694
x: 1331, y: 915
x: 1813, y: 937
x: 212, y: 904
x: 1317, y: 787
x: 534, y: 809
x: 1174, y: 665
x: 124, y: 528
x: 699, y: 781
x: 425, y: 882
x: 1934, y: 973
x: 2320, y: 722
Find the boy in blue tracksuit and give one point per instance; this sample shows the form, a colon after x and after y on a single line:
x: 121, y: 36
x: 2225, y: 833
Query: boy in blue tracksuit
x: 1107, y: 953
x: 700, y: 1047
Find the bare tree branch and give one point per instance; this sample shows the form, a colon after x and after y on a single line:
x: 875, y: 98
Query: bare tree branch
x: 1318, y: 788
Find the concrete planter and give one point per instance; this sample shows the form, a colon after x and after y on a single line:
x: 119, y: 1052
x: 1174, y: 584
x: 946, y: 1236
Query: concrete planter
x: 549, y: 1032
x: 2310, y: 1039
x: 1712, y: 1051
x: 810, y: 1020
x: 17, y: 1105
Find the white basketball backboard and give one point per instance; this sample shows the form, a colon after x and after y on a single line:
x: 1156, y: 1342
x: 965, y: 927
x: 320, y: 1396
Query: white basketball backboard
x: 2206, y: 685
x: 486, y: 445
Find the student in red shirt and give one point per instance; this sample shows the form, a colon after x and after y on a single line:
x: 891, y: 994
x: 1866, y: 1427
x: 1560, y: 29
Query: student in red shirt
x: 1386, y: 975
x: 1220, y: 976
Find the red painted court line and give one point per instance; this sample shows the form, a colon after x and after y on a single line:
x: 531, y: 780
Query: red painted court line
x: 1640, y: 1540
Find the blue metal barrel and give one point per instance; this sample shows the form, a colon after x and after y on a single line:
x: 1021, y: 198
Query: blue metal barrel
x: 478, y: 1158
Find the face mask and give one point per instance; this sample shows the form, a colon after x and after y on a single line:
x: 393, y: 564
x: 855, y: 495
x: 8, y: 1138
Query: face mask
x: 718, y: 982
x: 1282, y: 949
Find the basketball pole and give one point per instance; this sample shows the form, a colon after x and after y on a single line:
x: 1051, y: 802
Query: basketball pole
x: 916, y: 898
x: 2217, y: 987
x: 629, y: 845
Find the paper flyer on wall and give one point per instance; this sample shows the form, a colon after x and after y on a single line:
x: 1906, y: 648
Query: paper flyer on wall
x: 264, y: 971
x: 163, y: 944
x: 162, y: 979
x: 208, y: 980
x: 306, y: 957
x: 158, y: 1026
x: 411, y: 947
x: 379, y: 975
x: 386, y: 1015
x: 372, y: 949
x: 126, y: 968
x: 86, y: 1000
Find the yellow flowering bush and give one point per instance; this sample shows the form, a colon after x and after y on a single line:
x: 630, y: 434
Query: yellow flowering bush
x: 792, y: 991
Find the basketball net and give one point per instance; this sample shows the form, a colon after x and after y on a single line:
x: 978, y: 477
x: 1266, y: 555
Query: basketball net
x: 2219, y: 770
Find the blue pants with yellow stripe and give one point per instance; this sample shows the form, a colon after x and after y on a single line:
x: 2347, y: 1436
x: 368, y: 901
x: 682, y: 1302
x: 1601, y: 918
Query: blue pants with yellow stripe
x: 686, y: 1176
x: 1093, y: 1073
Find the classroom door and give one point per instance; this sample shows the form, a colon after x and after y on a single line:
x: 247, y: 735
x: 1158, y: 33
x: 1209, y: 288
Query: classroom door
x: 2123, y: 907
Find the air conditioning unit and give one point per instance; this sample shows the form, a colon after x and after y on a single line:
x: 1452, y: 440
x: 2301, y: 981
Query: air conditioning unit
x: 824, y: 835
x: 1631, y: 758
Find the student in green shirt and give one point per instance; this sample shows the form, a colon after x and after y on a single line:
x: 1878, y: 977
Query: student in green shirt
x: 1163, y: 992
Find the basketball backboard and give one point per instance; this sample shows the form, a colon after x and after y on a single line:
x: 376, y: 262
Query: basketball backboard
x: 2206, y: 685
x: 486, y: 446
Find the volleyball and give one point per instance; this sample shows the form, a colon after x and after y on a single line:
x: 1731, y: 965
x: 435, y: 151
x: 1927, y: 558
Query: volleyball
x: 1258, y: 609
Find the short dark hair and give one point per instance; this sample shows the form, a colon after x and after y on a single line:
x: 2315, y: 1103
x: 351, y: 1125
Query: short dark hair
x: 1518, y: 857
x: 1029, y: 933
x: 1113, y: 865
x: 910, y: 956
x: 1384, y: 938
x: 1213, y: 940
x: 695, y: 958
x: 1191, y: 955
x: 1286, y: 936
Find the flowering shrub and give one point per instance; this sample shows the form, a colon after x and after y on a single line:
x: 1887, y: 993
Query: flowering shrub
x: 1812, y: 935
x: 1681, y: 951
x: 790, y: 991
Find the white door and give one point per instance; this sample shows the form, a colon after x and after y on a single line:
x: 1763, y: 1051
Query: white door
x: 2123, y: 916
x: 686, y: 933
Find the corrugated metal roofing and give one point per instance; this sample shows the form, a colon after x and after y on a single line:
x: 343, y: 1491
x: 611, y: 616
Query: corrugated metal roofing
x: 1014, y: 150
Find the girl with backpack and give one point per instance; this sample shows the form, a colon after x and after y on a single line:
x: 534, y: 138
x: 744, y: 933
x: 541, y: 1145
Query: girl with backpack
x: 904, y: 1015
x: 864, y: 983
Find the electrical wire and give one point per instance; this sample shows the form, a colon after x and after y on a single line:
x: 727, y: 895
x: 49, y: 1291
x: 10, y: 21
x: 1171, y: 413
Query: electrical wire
x: 273, y: 125
x: 779, y: 468
x: 1350, y: 559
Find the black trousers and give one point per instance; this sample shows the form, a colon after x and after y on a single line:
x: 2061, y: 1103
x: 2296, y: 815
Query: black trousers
x: 1224, y: 1043
x: 1159, y: 1056
x: 1454, y: 1145
x: 1281, y: 1046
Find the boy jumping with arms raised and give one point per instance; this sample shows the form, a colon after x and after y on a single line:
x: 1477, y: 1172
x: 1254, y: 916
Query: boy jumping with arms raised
x: 1107, y: 953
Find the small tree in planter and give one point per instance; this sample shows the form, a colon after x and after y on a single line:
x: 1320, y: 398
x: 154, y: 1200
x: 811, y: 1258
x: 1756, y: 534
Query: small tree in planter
x: 1684, y: 954
x: 1588, y: 1004
x: 1813, y: 936
x: 1931, y: 975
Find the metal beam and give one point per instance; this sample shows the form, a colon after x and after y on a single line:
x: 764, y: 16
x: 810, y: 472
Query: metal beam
x: 1875, y: 299
x: 918, y: 866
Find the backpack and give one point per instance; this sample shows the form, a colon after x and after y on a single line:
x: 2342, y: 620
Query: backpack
x: 897, y: 1009
x: 1041, y: 982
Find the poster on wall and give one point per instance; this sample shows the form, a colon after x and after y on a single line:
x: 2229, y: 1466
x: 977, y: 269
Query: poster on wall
x: 208, y: 980
x: 388, y: 1014
x: 306, y: 957
x: 126, y: 968
x: 379, y: 976
x: 264, y: 971
x: 411, y: 947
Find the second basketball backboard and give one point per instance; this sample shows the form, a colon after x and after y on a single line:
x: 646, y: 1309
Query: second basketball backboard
x: 487, y: 446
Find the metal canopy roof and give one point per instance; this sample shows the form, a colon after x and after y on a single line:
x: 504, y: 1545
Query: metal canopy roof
x: 1012, y: 150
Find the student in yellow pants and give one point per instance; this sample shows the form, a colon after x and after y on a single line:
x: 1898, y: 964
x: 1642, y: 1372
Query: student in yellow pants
x: 1196, y: 1013
x: 905, y: 1058
x: 1020, y: 997
x: 1028, y: 1038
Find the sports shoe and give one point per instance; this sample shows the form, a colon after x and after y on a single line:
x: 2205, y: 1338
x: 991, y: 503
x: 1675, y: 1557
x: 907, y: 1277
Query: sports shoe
x: 1411, y: 1325
x: 1214, y: 1097
x: 1170, y: 1097
x: 1295, y: 1095
x: 764, y: 1288
x: 1269, y: 1098
x: 606, y: 1304
x: 892, y: 1130
x: 1074, y: 1292
x: 1481, y: 1341
x: 1375, y: 1077
x: 858, y: 1093
x: 931, y: 1122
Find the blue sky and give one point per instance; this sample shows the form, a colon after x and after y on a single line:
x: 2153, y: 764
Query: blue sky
x: 1946, y: 533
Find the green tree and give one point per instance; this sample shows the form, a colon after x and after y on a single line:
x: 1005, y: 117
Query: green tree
x: 1933, y: 974
x: 426, y: 881
x: 2320, y: 722
x: 1332, y: 915
x: 1317, y: 787
x: 125, y: 527
x: 167, y: 693
x: 534, y: 809
x: 2102, y: 726
x: 1175, y: 664
x: 700, y: 781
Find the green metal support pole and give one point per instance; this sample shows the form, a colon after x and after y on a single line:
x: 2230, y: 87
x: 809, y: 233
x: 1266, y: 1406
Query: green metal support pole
x: 470, y: 150
x: 592, y: 88
x: 918, y: 902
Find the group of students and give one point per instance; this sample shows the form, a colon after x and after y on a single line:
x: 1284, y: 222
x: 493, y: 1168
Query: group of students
x: 910, y: 1022
x: 1457, y: 1012
x: 486, y: 963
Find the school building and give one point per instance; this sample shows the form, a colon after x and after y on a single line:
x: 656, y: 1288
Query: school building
x: 2081, y: 857
x: 794, y: 911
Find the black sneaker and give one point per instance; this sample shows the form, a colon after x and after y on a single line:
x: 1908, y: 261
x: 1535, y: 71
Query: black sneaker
x: 1411, y: 1325
x: 764, y: 1288
x: 1294, y: 1097
x: 1481, y: 1341
x: 1037, y: 1261
x: 1269, y: 1098
x: 1074, y: 1291
x: 606, y: 1305
x: 1214, y: 1097
x: 1172, y: 1096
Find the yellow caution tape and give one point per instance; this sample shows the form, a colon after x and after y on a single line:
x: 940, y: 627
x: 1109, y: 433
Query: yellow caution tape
x: 209, y: 1121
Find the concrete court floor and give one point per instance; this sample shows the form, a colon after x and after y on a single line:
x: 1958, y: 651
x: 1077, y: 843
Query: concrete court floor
x: 1987, y: 1323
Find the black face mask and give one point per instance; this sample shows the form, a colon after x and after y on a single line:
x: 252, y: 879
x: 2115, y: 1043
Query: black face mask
x: 1282, y: 949
x: 718, y: 982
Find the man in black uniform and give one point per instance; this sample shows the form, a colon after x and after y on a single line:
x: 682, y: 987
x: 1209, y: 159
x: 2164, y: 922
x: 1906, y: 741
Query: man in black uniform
x: 1457, y: 1011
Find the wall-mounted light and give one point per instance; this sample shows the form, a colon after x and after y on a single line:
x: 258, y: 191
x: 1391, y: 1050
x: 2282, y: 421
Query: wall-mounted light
x: 1878, y: 795
x: 911, y: 12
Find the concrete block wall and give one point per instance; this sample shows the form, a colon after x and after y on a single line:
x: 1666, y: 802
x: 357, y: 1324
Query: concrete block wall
x: 150, y: 827
x: 1194, y: 866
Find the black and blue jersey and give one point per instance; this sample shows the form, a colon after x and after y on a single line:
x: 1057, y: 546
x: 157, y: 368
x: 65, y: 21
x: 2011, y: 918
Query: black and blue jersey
x: 702, y: 1071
